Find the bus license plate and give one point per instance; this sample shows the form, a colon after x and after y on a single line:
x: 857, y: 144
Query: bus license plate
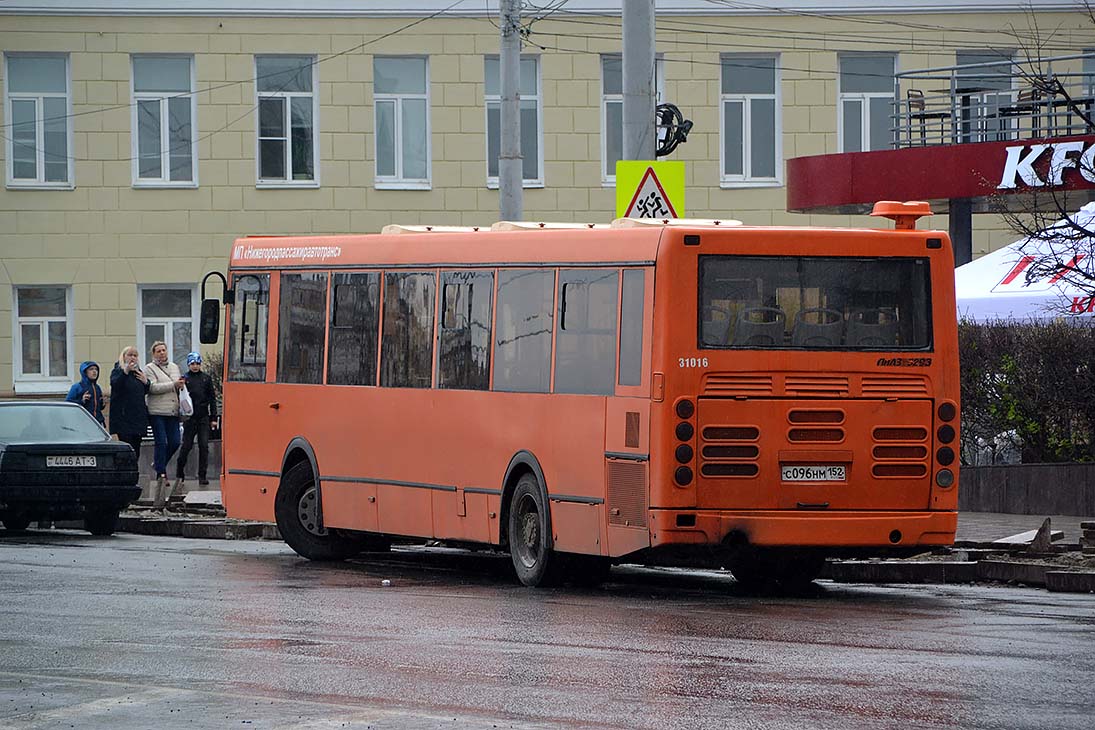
x: 826, y: 473
x: 70, y: 461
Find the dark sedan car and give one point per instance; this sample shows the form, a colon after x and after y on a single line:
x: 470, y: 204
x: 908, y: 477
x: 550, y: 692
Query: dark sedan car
x: 58, y: 463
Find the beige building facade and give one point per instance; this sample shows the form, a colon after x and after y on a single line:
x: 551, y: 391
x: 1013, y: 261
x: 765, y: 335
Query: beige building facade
x: 141, y: 138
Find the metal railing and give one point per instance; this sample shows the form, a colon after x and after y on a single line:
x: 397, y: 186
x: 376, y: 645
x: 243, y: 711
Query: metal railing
x: 996, y: 101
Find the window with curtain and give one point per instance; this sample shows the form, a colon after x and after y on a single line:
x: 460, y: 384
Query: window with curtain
x: 287, y: 133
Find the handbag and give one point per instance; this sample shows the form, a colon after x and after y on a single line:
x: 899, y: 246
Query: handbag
x: 186, y: 405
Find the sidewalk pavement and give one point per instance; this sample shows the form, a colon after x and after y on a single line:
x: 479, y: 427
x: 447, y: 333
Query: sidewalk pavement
x: 989, y: 526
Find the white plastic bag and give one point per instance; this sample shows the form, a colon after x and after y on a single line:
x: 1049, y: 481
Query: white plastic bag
x: 186, y: 405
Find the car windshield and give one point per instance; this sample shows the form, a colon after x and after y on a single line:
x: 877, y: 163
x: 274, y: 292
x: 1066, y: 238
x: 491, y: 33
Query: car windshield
x: 814, y: 303
x: 36, y: 422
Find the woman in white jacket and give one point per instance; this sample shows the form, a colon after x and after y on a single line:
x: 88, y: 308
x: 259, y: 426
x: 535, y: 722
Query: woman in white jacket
x: 164, y: 383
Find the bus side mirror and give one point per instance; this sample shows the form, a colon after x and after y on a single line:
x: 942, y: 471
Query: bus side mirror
x: 209, y: 326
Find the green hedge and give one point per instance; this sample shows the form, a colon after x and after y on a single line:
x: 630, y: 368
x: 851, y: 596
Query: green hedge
x: 1027, y: 389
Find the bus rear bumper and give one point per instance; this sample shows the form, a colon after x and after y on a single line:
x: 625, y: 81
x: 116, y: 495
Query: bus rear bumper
x: 802, y: 529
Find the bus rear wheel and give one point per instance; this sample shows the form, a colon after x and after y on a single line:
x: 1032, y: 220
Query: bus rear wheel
x: 534, y: 561
x: 296, y: 509
x: 792, y: 570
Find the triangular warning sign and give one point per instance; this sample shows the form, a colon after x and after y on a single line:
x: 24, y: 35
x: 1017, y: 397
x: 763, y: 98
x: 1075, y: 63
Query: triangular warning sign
x: 650, y: 200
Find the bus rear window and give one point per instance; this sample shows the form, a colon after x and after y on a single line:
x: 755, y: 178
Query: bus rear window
x: 814, y: 303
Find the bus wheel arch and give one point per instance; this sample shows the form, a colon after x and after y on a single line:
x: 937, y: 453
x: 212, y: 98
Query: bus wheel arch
x: 297, y: 508
x: 526, y: 523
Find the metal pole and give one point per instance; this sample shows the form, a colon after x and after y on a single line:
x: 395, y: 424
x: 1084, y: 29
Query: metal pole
x: 640, y: 140
x: 509, y: 154
x: 961, y: 230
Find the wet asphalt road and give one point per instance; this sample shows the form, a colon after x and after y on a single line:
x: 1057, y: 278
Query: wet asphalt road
x: 136, y: 632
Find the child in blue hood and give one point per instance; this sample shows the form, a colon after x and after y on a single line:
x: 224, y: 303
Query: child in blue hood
x: 87, y: 392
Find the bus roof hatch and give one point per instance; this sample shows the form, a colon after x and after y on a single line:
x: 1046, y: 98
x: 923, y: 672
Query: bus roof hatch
x: 903, y: 215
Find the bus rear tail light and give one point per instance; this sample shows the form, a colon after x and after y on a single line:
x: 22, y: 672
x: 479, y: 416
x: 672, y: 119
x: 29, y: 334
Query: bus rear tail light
x: 945, y: 456
x: 947, y: 411
x: 945, y: 433
x: 944, y: 478
x: 684, y: 453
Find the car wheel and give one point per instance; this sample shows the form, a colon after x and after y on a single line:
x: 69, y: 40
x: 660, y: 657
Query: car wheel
x: 529, y: 545
x: 296, y: 509
x: 101, y: 522
x: 15, y: 521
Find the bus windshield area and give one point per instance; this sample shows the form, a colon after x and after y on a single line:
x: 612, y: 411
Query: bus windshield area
x: 814, y: 303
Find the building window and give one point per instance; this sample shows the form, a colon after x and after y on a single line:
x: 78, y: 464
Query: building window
x: 749, y: 103
x: 402, y: 106
x: 866, y: 101
x: 166, y: 314
x: 612, y: 110
x: 37, y: 110
x: 1089, y: 71
x: 164, y: 147
x: 42, y: 336
x: 532, y: 148
x: 288, y: 130
x: 983, y: 85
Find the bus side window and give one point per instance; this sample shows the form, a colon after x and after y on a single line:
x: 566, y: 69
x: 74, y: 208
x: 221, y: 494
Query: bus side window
x: 355, y: 323
x: 247, y: 328
x: 463, y: 359
x: 302, y: 303
x: 406, y: 349
x: 585, y: 340
x: 631, y: 327
x: 522, y: 331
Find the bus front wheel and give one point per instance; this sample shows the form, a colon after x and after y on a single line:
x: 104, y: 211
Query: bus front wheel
x: 296, y: 509
x: 535, y: 562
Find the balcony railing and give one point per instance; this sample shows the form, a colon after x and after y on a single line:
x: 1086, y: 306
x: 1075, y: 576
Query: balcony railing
x: 992, y: 102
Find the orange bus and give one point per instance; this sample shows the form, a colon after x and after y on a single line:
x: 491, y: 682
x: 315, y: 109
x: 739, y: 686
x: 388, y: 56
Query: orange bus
x: 756, y: 397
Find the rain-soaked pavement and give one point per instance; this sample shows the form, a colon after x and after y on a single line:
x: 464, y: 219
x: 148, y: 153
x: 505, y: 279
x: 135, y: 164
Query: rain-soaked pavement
x: 136, y: 632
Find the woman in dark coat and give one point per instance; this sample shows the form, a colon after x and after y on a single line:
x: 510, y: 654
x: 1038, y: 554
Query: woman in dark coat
x: 128, y: 412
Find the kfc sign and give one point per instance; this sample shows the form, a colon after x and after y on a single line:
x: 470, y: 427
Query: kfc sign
x: 1045, y: 165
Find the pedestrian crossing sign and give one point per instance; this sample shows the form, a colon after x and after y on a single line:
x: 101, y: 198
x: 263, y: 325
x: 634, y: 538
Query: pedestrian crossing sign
x: 646, y: 189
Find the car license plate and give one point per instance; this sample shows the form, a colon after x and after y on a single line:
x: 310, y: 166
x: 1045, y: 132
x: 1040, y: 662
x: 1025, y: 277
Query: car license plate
x: 70, y: 461
x: 825, y: 473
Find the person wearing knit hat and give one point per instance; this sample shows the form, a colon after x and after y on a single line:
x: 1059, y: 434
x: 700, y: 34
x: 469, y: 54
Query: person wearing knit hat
x: 198, y: 426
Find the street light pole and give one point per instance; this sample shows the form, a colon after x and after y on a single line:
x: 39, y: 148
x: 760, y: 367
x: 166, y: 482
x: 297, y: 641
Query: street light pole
x: 640, y: 140
x: 509, y: 153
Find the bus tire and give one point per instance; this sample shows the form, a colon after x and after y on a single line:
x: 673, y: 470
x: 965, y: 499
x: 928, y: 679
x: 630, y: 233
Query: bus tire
x: 799, y: 570
x: 530, y: 549
x: 296, y: 513
x: 15, y: 521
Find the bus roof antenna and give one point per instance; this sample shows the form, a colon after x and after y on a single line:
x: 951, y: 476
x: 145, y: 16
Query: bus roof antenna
x: 903, y: 215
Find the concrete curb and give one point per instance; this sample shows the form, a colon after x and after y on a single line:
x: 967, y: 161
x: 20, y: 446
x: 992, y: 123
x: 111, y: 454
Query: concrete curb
x: 1004, y: 571
x: 210, y: 529
x: 1070, y: 582
x: 903, y: 571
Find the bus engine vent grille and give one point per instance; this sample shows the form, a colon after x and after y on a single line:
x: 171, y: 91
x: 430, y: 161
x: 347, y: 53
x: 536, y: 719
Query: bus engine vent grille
x: 893, y: 385
x: 819, y: 385
x: 729, y: 384
x: 627, y: 493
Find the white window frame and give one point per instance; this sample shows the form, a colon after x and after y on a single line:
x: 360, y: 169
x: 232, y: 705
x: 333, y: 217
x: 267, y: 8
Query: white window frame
x: 488, y: 99
x: 398, y: 181
x: 608, y: 178
x: 40, y: 182
x: 164, y: 181
x: 864, y: 99
x: 747, y: 180
x: 37, y: 382
x: 288, y: 182
x: 142, y: 346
